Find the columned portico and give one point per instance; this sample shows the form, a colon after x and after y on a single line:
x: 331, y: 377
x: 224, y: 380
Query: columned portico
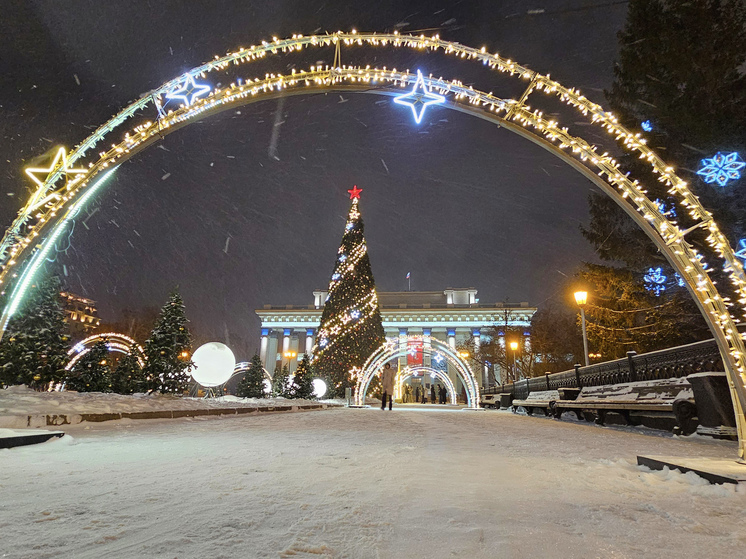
x: 453, y: 316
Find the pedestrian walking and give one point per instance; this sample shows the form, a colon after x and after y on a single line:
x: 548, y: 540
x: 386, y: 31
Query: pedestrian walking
x: 387, y: 384
x: 432, y: 393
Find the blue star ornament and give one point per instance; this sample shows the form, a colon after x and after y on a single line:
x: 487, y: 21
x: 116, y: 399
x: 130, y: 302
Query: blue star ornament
x: 419, y: 98
x: 722, y: 168
x: 188, y: 91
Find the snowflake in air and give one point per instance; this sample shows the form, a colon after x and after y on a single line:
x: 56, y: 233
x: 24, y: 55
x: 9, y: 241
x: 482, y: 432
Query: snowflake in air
x: 722, y: 168
x: 655, y: 281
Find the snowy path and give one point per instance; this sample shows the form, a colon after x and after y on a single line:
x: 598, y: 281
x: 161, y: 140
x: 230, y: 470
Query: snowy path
x: 361, y: 483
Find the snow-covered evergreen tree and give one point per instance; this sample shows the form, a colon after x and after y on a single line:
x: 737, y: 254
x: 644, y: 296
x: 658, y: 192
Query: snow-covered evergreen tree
x: 252, y: 383
x: 91, y: 373
x: 128, y: 377
x: 302, y: 385
x: 168, y: 349
x: 33, y: 350
x: 281, y: 383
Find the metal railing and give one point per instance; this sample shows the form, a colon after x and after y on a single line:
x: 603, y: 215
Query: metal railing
x: 665, y: 363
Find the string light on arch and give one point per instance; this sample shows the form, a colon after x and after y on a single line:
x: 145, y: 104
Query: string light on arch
x: 722, y: 169
x: 419, y: 99
x: 188, y: 91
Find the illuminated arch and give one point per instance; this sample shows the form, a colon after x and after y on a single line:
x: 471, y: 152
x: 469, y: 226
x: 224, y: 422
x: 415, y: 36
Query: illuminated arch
x: 244, y: 366
x: 62, y: 194
x: 410, y: 372
x: 114, y: 342
x: 392, y: 349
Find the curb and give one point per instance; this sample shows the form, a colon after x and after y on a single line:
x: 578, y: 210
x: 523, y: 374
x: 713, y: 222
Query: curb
x: 41, y: 420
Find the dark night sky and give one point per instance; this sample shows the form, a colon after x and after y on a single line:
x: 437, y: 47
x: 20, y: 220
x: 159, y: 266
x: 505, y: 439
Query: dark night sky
x: 456, y: 201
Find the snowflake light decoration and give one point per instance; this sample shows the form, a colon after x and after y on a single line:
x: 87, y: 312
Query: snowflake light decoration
x: 438, y: 358
x: 741, y: 252
x: 343, y: 258
x: 655, y: 281
x: 412, y: 351
x: 647, y: 126
x: 419, y: 98
x: 679, y: 280
x: 664, y: 208
x: 722, y: 168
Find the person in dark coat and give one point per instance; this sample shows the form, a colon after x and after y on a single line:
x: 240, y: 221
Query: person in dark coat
x: 417, y: 395
x: 441, y: 394
x: 432, y: 393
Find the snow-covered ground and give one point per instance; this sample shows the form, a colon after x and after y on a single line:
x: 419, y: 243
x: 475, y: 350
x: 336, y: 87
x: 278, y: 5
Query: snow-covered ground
x: 415, y: 482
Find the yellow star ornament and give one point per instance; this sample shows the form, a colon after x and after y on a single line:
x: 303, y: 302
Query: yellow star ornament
x: 39, y: 198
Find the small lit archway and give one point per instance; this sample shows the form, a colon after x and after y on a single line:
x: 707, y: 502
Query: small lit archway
x: 115, y: 342
x: 409, y: 372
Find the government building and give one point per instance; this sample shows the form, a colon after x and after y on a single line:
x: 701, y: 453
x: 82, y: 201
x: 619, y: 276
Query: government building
x: 452, y: 316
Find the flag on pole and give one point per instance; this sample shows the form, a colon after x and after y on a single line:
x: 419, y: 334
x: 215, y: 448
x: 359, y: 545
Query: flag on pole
x: 408, y: 274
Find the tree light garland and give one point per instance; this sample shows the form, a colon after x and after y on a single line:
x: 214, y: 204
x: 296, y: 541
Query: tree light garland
x: 24, y: 240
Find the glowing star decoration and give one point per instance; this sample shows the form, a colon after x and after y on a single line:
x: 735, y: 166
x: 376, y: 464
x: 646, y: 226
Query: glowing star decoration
x: 655, y: 280
x: 419, y: 98
x: 741, y: 252
x: 355, y: 193
x: 349, y: 226
x: 39, y: 197
x: 438, y: 358
x: 355, y: 314
x: 188, y: 91
x: 722, y: 168
x: 647, y: 126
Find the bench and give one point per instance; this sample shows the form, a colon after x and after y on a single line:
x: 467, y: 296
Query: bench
x: 635, y: 401
x: 543, y: 399
x: 489, y: 401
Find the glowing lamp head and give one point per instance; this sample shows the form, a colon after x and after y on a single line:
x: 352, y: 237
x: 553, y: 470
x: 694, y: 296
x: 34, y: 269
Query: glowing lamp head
x: 463, y: 354
x: 213, y: 364
x: 514, y: 345
x: 581, y: 297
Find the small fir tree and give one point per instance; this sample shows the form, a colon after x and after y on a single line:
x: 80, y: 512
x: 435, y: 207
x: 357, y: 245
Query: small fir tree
x: 302, y: 386
x: 128, y: 376
x: 168, y: 349
x: 33, y: 350
x: 281, y: 382
x: 351, y: 328
x: 91, y: 373
x: 252, y: 383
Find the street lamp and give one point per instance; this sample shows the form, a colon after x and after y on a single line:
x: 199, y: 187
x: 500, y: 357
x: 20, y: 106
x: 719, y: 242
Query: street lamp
x: 581, y: 298
x: 514, y: 347
x: 290, y: 355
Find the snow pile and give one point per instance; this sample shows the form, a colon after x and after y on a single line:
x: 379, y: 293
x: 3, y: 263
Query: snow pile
x: 20, y: 400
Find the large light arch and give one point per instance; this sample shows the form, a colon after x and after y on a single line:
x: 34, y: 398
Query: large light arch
x: 56, y: 202
x: 410, y: 372
x: 393, y: 349
x: 114, y: 342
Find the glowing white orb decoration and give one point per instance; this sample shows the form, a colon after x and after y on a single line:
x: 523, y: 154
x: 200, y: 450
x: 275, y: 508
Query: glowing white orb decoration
x: 319, y: 388
x: 213, y: 364
x: 267, y: 386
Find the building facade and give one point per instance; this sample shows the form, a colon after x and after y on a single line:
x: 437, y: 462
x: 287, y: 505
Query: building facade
x: 80, y: 314
x: 452, y: 316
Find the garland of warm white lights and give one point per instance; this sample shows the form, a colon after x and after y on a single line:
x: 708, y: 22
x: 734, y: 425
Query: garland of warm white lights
x: 409, y: 372
x: 114, y: 342
x: 23, y: 233
x: 392, y: 349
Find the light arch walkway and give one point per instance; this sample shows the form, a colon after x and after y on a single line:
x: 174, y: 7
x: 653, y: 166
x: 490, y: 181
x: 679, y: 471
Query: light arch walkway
x: 409, y: 372
x: 72, y: 178
x: 115, y: 342
x: 435, y: 349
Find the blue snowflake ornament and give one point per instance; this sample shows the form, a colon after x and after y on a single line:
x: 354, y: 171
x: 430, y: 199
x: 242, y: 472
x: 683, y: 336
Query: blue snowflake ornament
x: 722, y: 169
x: 655, y: 281
x: 647, y: 125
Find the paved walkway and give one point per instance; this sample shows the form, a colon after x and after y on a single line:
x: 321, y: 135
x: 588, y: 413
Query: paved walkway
x: 414, y: 482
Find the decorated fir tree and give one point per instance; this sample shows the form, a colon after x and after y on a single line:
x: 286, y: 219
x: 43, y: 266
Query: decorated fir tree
x: 168, y: 349
x: 302, y: 385
x: 281, y: 382
x: 33, y: 350
x: 128, y: 377
x: 351, y: 327
x: 252, y: 383
x: 91, y: 373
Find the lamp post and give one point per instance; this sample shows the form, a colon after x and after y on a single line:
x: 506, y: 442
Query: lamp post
x: 290, y: 355
x: 514, y: 347
x: 581, y: 298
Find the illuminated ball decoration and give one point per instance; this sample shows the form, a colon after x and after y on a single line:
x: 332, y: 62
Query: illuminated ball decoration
x: 319, y: 388
x: 213, y: 364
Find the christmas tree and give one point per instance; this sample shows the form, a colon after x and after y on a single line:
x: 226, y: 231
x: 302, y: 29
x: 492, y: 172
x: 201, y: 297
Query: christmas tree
x: 281, y: 382
x: 33, y: 350
x: 252, y: 383
x: 168, y: 348
x: 91, y: 373
x: 128, y: 377
x: 302, y: 386
x: 351, y: 328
